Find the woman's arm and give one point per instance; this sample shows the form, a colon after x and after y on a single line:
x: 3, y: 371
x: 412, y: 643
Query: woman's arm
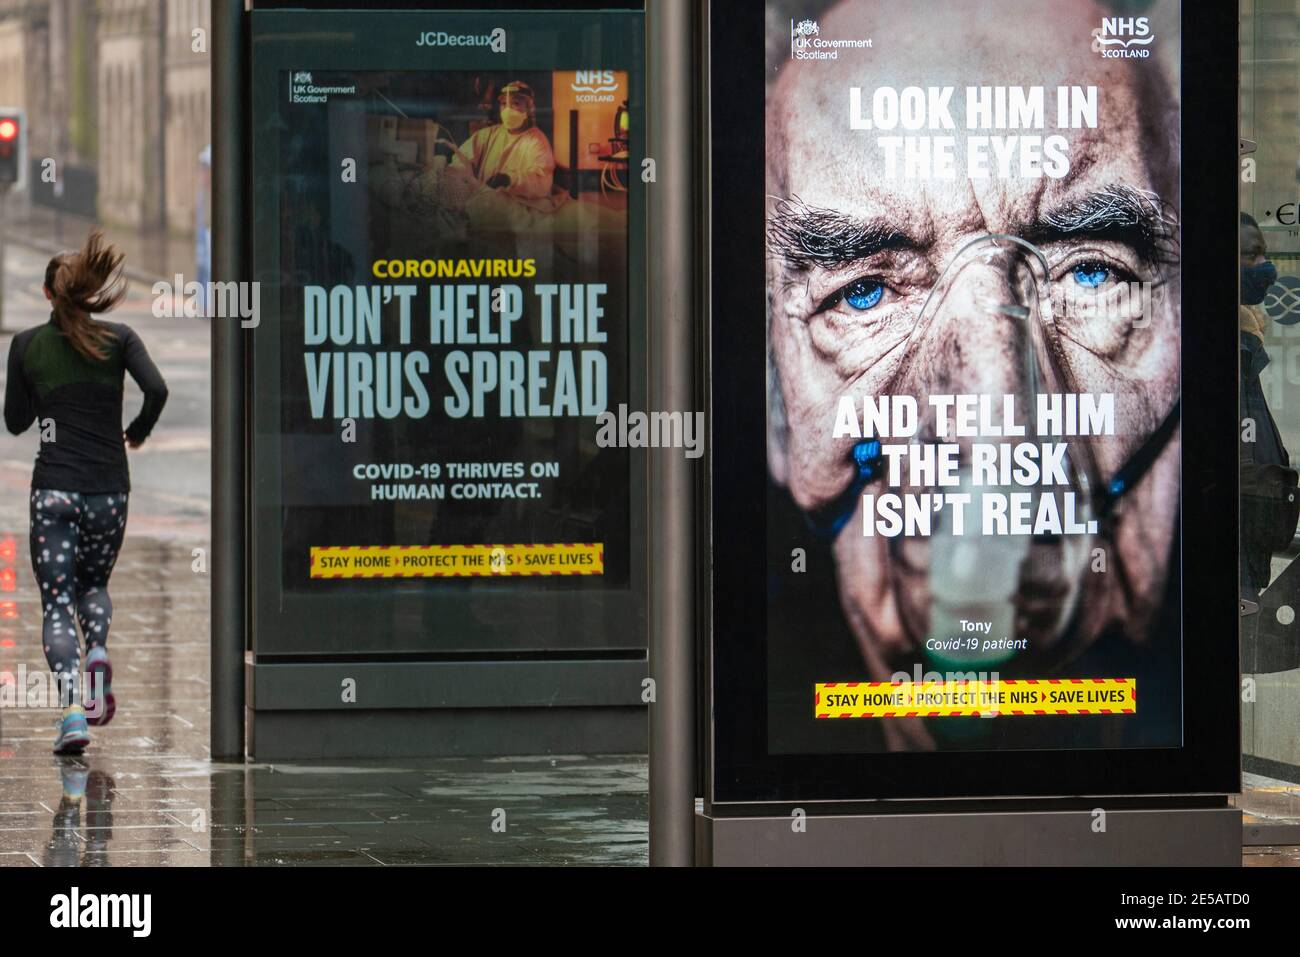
x: 150, y: 381
x: 20, y: 410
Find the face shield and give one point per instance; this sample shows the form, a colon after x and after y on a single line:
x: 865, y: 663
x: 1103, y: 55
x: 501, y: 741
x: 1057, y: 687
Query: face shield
x: 517, y: 104
x: 1003, y: 467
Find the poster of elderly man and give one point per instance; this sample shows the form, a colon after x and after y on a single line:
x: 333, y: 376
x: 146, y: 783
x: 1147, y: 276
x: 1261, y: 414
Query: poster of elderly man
x: 974, y: 376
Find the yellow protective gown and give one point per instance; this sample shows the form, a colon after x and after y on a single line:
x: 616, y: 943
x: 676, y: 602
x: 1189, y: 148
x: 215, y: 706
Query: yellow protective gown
x: 525, y: 157
x: 525, y: 207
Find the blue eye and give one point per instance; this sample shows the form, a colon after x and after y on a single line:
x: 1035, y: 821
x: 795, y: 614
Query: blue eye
x: 1090, y: 275
x: 863, y: 294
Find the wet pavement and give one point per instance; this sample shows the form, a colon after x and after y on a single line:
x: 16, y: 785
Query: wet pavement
x: 138, y: 805
x: 149, y: 252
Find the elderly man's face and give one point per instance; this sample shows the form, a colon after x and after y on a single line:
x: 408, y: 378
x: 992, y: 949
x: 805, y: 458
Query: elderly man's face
x: 854, y: 255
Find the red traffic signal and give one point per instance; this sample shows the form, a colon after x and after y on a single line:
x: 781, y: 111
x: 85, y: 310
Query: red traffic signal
x: 11, y: 139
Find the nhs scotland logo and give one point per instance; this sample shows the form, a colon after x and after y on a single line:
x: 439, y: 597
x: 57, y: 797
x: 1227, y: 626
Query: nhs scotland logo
x: 1123, y: 38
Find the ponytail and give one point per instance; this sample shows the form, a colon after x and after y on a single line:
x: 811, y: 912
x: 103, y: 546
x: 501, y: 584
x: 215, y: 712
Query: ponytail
x: 83, y: 283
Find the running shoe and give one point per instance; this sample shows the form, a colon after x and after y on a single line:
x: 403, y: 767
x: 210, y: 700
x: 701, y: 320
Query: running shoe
x: 73, y: 733
x: 99, y: 678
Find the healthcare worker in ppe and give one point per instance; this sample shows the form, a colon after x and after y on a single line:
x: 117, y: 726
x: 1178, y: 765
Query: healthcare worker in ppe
x: 514, y: 161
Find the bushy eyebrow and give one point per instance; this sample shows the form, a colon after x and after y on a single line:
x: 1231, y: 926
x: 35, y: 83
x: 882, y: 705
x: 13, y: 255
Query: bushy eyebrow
x: 805, y: 236
x: 1138, y: 218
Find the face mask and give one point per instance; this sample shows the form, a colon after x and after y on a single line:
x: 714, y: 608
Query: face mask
x: 1013, y: 586
x: 1255, y: 281
x: 513, y: 119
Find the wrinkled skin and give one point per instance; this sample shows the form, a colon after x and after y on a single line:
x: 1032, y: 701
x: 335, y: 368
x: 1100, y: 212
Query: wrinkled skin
x: 822, y: 349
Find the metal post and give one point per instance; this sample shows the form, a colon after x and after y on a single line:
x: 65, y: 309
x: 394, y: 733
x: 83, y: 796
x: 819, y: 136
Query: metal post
x: 163, y: 28
x: 4, y: 225
x: 671, y: 39
x: 229, y: 242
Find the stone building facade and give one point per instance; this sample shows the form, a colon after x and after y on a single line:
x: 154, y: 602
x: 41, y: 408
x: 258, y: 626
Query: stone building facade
x: 116, y: 92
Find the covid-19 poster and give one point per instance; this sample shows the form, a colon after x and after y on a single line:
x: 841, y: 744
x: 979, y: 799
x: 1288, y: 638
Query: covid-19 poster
x: 446, y: 212
x: 973, y: 378
x: 464, y: 320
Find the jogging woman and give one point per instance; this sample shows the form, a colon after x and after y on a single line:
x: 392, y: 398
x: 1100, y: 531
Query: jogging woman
x: 68, y: 376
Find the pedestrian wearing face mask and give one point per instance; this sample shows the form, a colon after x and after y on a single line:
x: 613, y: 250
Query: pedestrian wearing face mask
x: 1270, y: 504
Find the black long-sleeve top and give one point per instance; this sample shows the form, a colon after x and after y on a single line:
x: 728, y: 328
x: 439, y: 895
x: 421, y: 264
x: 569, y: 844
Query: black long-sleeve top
x: 48, y: 379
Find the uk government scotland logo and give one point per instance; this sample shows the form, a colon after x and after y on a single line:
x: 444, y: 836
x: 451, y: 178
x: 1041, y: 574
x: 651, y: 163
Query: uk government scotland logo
x: 304, y: 89
x: 806, y: 42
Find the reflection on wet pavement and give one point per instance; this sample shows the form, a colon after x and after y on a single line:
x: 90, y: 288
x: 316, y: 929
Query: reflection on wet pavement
x: 558, y: 810
x: 69, y: 844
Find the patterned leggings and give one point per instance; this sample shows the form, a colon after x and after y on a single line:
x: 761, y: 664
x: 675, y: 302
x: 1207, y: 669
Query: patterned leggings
x: 75, y: 539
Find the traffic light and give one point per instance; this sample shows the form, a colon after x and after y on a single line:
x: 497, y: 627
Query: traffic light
x: 11, y: 137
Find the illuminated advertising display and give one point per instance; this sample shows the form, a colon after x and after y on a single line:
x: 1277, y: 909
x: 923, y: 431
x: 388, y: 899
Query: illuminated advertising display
x: 973, y: 385
x: 447, y: 232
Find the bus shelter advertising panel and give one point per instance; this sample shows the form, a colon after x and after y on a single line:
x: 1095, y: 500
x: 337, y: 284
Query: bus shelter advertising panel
x: 973, y: 383
x: 445, y: 235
